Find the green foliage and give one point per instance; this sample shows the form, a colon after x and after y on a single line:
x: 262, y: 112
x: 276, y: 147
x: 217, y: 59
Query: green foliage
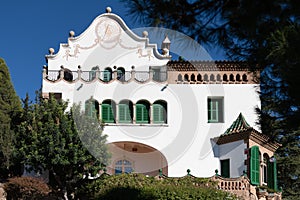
x: 138, y: 186
x: 26, y: 188
x: 49, y: 139
x: 10, y: 108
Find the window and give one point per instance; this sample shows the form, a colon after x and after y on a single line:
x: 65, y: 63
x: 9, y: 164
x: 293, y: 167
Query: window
x: 264, y: 169
x: 107, y: 75
x: 215, y: 109
x: 254, y: 165
x: 159, y: 112
x: 142, y: 112
x: 225, y: 168
x: 107, y: 111
x: 91, y: 108
x: 123, y: 166
x: 272, y: 173
x: 121, y: 74
x: 92, y: 74
x: 125, y: 112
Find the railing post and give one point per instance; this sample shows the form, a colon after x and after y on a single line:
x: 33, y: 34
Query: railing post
x: 79, y: 72
x: 44, y: 73
x: 132, y: 73
x: 61, y: 72
x: 150, y: 74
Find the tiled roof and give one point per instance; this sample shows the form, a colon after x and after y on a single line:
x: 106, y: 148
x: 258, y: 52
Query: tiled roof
x: 240, y: 124
x: 182, y: 65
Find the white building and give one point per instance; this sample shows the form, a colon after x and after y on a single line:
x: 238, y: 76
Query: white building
x: 160, y: 113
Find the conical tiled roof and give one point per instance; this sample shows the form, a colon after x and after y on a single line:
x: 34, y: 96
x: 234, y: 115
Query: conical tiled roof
x: 238, y: 125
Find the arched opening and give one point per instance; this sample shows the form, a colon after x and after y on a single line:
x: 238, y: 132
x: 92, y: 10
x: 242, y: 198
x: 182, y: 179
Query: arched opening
x: 121, y: 74
x: 125, y: 111
x: 107, y: 74
x: 92, y: 108
x: 127, y: 157
x: 238, y: 77
x: 142, y: 108
x: 179, y: 78
x: 193, y: 78
x: 186, y: 77
x: 108, y: 110
x: 231, y: 77
x: 159, y: 112
x: 212, y: 77
x: 245, y: 77
x: 219, y: 78
x: 199, y: 77
x: 225, y: 77
x: 205, y: 77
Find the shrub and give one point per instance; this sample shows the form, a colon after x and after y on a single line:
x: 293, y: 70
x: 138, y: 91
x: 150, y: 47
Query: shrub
x: 26, y: 188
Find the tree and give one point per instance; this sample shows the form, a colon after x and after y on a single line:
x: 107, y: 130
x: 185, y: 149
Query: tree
x: 10, y: 108
x: 266, y: 34
x: 50, y: 140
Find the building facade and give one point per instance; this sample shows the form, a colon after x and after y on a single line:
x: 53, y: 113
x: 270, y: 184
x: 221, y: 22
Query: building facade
x: 159, y: 113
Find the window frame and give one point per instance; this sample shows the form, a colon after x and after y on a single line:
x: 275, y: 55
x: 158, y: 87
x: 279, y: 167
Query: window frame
x: 215, y: 115
x: 145, y: 114
x: 110, y: 113
x: 127, y: 114
x: 225, y: 174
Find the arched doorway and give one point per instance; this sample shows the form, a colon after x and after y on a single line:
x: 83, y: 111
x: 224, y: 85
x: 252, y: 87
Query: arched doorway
x: 136, y: 157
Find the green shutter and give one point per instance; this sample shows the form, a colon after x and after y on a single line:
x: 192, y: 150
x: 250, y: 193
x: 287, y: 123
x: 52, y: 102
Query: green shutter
x: 225, y: 168
x: 124, y: 113
x: 158, y: 114
x: 142, y: 114
x: 213, y: 107
x: 107, y: 113
x: 106, y: 75
x: 254, y: 165
x: 272, y: 174
x: 90, y: 108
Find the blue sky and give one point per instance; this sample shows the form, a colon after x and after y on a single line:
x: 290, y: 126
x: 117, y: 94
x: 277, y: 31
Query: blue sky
x: 29, y: 28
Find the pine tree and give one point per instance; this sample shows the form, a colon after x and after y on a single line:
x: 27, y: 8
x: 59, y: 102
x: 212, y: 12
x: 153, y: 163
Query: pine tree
x: 10, y: 108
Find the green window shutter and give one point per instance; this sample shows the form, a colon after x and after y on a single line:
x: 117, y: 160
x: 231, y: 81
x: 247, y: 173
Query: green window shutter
x: 90, y: 109
x: 158, y: 113
x: 254, y: 165
x: 124, y: 113
x: 141, y: 113
x: 106, y: 75
x: 272, y: 174
x: 107, y: 113
x: 213, y: 110
x: 92, y: 75
x: 225, y: 168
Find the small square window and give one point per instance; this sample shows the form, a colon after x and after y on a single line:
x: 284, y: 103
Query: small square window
x: 215, y: 108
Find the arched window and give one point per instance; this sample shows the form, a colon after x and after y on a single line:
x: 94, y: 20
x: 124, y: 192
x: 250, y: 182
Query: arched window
x: 225, y: 78
x: 199, y: 78
x: 186, y: 77
x: 245, y: 77
x: 92, y: 74
x: 159, y: 113
x: 231, y: 77
x: 264, y: 169
x: 92, y: 108
x: 205, y: 77
x: 219, y: 77
x: 212, y: 77
x: 121, y: 74
x: 125, y: 111
x: 123, y: 166
x: 238, y: 77
x: 193, y: 78
x: 142, y: 112
x: 179, y: 78
x: 108, y: 108
x: 107, y: 74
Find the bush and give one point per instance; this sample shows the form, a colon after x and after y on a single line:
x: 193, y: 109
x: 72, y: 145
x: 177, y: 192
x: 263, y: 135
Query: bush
x: 26, y: 188
x: 140, y: 187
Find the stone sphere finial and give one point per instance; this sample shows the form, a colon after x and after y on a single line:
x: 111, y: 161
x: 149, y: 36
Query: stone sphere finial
x: 145, y: 33
x: 51, y: 51
x: 71, y: 33
x: 108, y: 9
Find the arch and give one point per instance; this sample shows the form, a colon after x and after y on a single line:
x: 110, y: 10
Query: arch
x: 244, y: 77
x: 212, y: 77
x: 107, y: 74
x: 199, y: 77
x: 141, y: 157
x: 225, y: 77
x: 219, y: 78
x: 121, y: 74
x: 205, y: 77
x: 108, y: 110
x: 186, y: 77
x: 142, y: 108
x: 68, y: 75
x: 125, y: 111
x: 231, y: 77
x: 238, y: 77
x: 160, y: 112
x: 123, y: 166
x: 92, y: 108
x: 193, y: 78
x: 179, y: 77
